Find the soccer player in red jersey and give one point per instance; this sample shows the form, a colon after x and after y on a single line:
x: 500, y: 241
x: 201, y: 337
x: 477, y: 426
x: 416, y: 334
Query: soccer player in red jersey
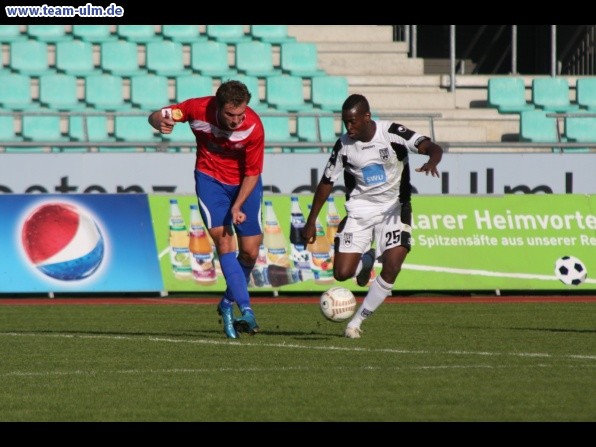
x: 230, y: 151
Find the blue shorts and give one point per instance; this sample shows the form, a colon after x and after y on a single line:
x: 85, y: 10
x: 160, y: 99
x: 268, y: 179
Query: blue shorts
x: 216, y: 199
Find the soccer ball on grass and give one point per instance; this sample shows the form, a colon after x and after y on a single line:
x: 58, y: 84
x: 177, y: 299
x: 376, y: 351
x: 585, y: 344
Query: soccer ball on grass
x: 570, y: 271
x: 338, y: 304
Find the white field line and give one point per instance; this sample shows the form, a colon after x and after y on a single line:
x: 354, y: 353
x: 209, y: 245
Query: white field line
x: 297, y: 346
x: 430, y: 268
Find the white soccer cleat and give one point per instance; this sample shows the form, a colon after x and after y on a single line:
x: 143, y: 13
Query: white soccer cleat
x: 353, y: 332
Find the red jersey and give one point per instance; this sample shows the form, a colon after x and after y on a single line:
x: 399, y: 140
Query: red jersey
x: 226, y: 155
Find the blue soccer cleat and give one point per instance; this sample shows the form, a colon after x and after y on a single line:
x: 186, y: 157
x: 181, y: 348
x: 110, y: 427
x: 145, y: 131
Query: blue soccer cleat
x: 227, y: 316
x: 246, y: 323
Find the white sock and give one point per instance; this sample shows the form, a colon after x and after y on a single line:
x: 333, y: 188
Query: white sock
x: 377, y: 292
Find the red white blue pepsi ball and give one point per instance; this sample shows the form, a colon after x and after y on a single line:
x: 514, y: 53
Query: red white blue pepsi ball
x: 62, y: 241
x: 338, y: 304
x: 570, y: 270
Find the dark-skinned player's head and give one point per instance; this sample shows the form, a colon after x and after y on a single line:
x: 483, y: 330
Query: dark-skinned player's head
x: 355, y: 114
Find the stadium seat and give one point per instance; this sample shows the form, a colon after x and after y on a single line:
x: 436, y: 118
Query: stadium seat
x: 306, y: 129
x: 586, y: 93
x: 134, y: 128
x: 48, y: 33
x: 180, y: 133
x: 552, y: 94
x: 580, y: 130
x: 9, y: 33
x: 93, y: 33
x: 149, y: 92
x: 59, y: 92
x: 210, y: 59
x: 329, y: 92
x: 165, y: 58
x: 120, y: 58
x: 29, y: 57
x: 182, y: 33
x: 253, y: 84
x: 277, y: 129
x: 535, y: 126
x: 286, y: 93
x: 15, y: 93
x: 137, y: 33
x: 75, y: 57
x: 300, y: 59
x: 274, y: 34
x: 105, y: 92
x: 42, y: 128
x: 508, y: 94
x: 255, y: 59
x: 226, y: 33
x: 90, y: 128
x: 7, y: 129
x: 193, y: 86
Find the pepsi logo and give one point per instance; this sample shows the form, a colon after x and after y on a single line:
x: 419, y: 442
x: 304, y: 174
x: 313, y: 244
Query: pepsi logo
x: 62, y: 241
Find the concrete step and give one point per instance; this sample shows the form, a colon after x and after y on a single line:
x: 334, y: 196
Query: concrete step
x: 342, y: 33
x: 386, y: 100
x: 365, y: 63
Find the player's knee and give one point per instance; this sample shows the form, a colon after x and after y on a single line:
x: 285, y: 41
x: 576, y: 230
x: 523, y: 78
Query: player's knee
x: 342, y: 274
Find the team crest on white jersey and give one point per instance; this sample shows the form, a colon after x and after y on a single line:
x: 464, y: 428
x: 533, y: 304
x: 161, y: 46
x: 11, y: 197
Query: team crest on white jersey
x: 384, y: 153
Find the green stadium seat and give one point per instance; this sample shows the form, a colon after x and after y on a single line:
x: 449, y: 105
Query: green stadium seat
x: 134, y: 128
x: 149, y: 92
x: 180, y: 133
x: 10, y: 33
x: 193, y: 86
x: 75, y: 57
x: 227, y: 33
x: 59, y: 92
x: 286, y: 93
x: 93, y: 33
x: 274, y: 34
x: 253, y: 83
x: 329, y: 92
x: 508, y: 94
x: 48, y: 33
x: 105, y: 92
x: 120, y: 58
x: 42, y: 128
x: 277, y: 129
x: 89, y: 128
x: 182, y: 33
x: 300, y: 59
x: 586, y: 93
x: 137, y: 33
x: 255, y: 58
x: 8, y: 131
x: 15, y: 93
x: 165, y: 58
x: 306, y: 129
x: 535, y: 126
x: 552, y: 94
x: 210, y: 59
x: 29, y: 57
x: 580, y: 130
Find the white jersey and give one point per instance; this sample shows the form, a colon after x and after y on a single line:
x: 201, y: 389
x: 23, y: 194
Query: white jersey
x: 376, y: 172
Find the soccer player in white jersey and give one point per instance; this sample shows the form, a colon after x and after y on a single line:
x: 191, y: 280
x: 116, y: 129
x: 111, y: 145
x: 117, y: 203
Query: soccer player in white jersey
x: 373, y: 156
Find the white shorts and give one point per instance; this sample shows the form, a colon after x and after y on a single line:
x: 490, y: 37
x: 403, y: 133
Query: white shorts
x: 385, y: 230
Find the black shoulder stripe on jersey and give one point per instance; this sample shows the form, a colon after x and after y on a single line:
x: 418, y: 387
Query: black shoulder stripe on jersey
x: 401, y: 131
x: 400, y: 150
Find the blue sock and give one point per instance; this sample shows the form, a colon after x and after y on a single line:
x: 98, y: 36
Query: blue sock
x: 228, y: 299
x: 245, y: 306
x: 235, y: 279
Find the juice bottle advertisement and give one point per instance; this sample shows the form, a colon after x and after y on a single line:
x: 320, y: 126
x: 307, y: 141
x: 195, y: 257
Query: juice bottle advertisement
x: 288, y: 277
